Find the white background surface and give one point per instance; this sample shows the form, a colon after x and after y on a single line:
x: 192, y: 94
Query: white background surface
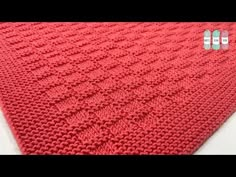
x: 223, y: 141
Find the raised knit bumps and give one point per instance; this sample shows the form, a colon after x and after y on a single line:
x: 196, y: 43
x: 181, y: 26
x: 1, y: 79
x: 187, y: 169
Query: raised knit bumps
x: 114, y: 88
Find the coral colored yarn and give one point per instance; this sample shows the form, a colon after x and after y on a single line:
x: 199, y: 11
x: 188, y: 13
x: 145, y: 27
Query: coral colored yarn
x: 114, y: 88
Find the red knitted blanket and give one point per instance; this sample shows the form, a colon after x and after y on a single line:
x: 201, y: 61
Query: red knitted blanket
x: 114, y: 88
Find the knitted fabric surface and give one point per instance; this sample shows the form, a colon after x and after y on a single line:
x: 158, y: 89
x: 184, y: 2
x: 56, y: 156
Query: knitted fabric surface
x: 114, y: 88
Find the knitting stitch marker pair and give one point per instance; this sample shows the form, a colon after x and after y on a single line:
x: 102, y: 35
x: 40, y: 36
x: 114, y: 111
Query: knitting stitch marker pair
x: 216, y: 40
